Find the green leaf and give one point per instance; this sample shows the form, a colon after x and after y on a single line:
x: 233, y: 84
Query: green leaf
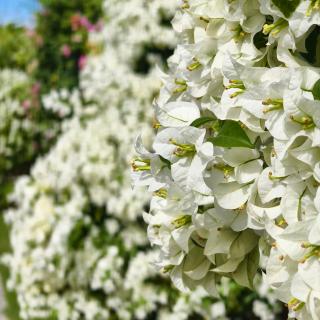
x: 260, y: 40
x: 231, y: 135
x: 201, y: 121
x: 165, y: 161
x: 312, y: 47
x: 316, y: 90
x: 287, y: 7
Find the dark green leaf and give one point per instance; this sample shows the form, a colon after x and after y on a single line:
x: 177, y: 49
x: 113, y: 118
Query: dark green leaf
x: 287, y: 7
x: 165, y: 161
x: 316, y: 90
x: 78, y: 235
x: 201, y: 121
x: 260, y: 40
x: 232, y: 135
x: 311, y: 45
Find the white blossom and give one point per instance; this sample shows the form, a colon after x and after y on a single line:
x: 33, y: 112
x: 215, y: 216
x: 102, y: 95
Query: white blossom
x: 248, y: 166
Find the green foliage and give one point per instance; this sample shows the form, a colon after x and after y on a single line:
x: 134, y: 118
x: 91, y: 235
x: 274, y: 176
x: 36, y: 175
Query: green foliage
x: 201, y: 121
x: 232, y: 135
x: 312, y: 45
x: 12, y: 310
x: 39, y: 53
x: 23, y: 128
x: 57, y: 26
x: 260, y: 40
x: 287, y: 7
x: 17, y: 49
x: 316, y: 90
x: 77, y: 236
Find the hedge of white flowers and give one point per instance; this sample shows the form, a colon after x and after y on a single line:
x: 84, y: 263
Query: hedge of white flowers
x: 15, y: 127
x: 235, y: 165
x: 24, y: 130
x: 79, y: 247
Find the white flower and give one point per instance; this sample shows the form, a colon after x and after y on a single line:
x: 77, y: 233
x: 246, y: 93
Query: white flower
x: 79, y: 248
x: 242, y: 79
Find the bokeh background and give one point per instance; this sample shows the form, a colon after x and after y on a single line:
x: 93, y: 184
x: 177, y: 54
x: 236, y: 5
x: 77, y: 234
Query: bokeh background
x: 77, y: 80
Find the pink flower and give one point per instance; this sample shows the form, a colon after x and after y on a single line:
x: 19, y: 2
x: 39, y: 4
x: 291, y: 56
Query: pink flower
x: 75, y: 21
x: 36, y: 88
x: 78, y: 21
x: 26, y: 104
x: 66, y: 50
x: 85, y: 22
x: 91, y: 28
x: 82, y: 61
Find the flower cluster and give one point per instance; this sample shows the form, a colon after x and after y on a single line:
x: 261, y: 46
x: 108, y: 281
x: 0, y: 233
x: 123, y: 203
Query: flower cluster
x: 79, y: 247
x: 18, y: 128
x: 138, y: 37
x: 235, y: 165
x: 79, y: 21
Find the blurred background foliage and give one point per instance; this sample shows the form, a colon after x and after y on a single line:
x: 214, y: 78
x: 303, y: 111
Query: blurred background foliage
x: 61, y: 34
x: 51, y: 55
x: 17, y: 48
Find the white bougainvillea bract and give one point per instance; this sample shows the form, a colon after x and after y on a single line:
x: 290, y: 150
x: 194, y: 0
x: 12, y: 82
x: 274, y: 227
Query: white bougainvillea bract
x: 235, y: 166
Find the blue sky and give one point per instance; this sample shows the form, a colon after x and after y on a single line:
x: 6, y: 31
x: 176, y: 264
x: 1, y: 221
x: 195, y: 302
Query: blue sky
x: 18, y: 11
